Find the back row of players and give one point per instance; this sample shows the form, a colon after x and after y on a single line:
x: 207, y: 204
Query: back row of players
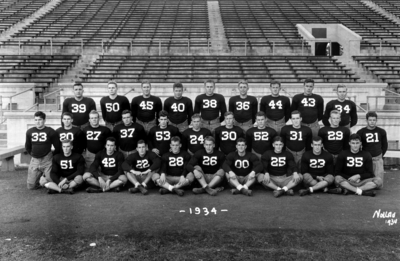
x: 208, y: 151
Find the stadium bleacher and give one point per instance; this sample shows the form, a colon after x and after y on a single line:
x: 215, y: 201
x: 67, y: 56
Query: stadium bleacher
x: 43, y: 69
x: 220, y: 68
x: 392, y: 6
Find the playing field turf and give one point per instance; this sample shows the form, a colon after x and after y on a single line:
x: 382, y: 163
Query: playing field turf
x: 37, y: 226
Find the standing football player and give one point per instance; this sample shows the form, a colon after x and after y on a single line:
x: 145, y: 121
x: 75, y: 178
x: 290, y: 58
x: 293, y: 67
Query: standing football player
x: 70, y: 132
x: 227, y: 135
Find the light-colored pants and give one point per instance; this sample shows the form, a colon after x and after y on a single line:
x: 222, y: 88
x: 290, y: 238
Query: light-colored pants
x: 181, y: 126
x: 147, y: 125
x: 377, y: 164
x: 314, y: 127
x: 276, y: 125
x: 244, y: 125
x: 39, y: 167
x: 211, y: 125
x: 378, y: 181
x: 308, y: 179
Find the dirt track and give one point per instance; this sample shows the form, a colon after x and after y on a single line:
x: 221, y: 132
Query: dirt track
x: 27, y: 212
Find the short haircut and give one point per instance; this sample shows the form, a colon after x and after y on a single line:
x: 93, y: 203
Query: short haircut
x: 340, y: 85
x: 177, y: 85
x: 209, y: 81
x: 317, y: 138
x: 140, y: 142
x: 275, y: 82
x: 209, y: 138
x: 354, y: 136
x: 371, y: 114
x: 67, y: 113
x: 308, y: 80
x: 126, y: 111
x: 196, y: 116
x: 163, y: 113
x: 77, y: 84
x: 241, y: 140
x: 144, y: 82
x: 176, y: 139
x: 334, y: 112
x: 94, y: 112
x: 226, y: 114
x: 67, y: 141
x: 260, y: 113
x: 243, y: 82
x: 112, y: 139
x: 40, y: 114
x: 277, y: 138
x: 295, y: 112
x: 112, y: 82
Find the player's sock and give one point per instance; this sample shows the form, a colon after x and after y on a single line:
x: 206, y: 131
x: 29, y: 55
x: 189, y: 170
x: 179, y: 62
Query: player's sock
x: 245, y: 187
x: 285, y: 188
x: 239, y: 187
x: 170, y: 188
x: 359, y: 191
x: 311, y: 190
x: 278, y: 188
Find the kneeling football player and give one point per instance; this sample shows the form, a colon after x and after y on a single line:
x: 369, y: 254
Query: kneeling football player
x: 110, y: 177
x: 140, y: 167
x: 206, y: 165
x: 317, y: 168
x: 280, y: 170
x: 241, y: 168
x: 66, y: 171
x: 354, y: 171
x: 173, y: 171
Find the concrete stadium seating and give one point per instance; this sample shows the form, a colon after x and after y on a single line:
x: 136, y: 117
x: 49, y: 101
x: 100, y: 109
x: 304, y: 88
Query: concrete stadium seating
x: 44, y: 69
x: 220, y: 68
x: 392, y: 6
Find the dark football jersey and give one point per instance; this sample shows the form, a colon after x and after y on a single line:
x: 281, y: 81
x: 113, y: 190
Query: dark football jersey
x: 374, y: 141
x: 145, y: 109
x: 242, y: 165
x: 311, y: 107
x: 79, y: 109
x: 278, y: 164
x: 297, y: 139
x: 335, y: 139
x: 96, y: 138
x: 128, y: 136
x: 210, y: 107
x: 38, y: 142
x: 110, y: 165
x: 112, y: 109
x: 225, y: 139
x: 349, y: 164
x: 135, y: 162
x: 275, y: 108
x: 209, y: 163
x: 347, y: 109
x: 260, y: 140
x: 243, y: 109
x: 179, y: 110
x: 161, y: 138
x: 175, y: 164
x: 67, y: 167
x: 76, y: 135
x: 317, y: 165
x: 194, y: 140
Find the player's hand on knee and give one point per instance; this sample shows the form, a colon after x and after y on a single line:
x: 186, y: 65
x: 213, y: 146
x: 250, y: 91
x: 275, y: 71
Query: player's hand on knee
x: 296, y: 177
x: 266, y: 179
x: 252, y: 175
x: 156, y: 151
x: 162, y: 179
x: 232, y: 175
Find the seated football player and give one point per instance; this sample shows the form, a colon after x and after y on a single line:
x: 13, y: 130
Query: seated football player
x: 67, y: 170
x: 241, y: 168
x: 140, y: 167
x: 173, y: 171
x: 106, y: 174
x: 317, y: 168
x: 280, y: 170
x: 354, y: 171
x: 206, y: 165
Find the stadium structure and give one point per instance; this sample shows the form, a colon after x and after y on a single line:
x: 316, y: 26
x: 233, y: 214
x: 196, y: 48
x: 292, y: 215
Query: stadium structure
x: 47, y: 45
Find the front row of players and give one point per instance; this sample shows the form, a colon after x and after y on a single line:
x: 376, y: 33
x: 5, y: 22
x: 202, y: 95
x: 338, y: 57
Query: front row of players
x: 177, y: 169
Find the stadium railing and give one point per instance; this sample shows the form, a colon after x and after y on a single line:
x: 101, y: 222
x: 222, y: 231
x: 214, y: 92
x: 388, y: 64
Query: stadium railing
x: 7, y: 157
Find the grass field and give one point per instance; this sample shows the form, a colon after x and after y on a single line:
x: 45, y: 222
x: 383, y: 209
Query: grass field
x: 37, y: 226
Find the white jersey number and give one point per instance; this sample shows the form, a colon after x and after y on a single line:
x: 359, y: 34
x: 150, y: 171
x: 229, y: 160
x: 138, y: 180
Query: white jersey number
x: 242, y: 105
x: 335, y: 135
x: 66, y: 136
x: 209, y: 161
x: 340, y: 108
x: 142, y: 164
x: 42, y: 136
x: 261, y: 136
x: 163, y: 135
x: 78, y: 108
x: 108, y: 162
x: 272, y: 104
x: 178, y: 107
x: 173, y: 162
x: 93, y: 135
x: 242, y: 164
x: 209, y: 104
x: 317, y: 163
x: 308, y: 102
x: 357, y: 162
x: 294, y: 135
x: 278, y: 162
x: 371, y: 138
x: 146, y: 105
x: 127, y: 133
x: 66, y: 164
x: 194, y: 139
x: 112, y: 107
x: 231, y: 135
